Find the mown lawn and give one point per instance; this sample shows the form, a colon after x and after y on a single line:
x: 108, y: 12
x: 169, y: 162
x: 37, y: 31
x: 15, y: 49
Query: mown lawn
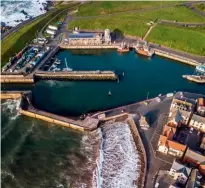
x: 136, y: 23
x: 185, y: 39
x: 107, y: 7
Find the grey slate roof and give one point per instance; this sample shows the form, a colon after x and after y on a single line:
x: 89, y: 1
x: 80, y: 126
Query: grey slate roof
x: 181, y: 168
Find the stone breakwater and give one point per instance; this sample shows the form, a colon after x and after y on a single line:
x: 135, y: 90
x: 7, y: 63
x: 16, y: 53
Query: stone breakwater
x: 78, y: 75
x: 72, y: 75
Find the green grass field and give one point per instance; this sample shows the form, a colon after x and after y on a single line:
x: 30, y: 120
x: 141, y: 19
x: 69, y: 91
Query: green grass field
x: 107, y: 7
x: 185, y: 39
x: 136, y: 24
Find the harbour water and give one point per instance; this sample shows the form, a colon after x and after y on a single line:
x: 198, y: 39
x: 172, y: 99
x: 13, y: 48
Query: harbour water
x: 37, y: 154
x: 142, y: 78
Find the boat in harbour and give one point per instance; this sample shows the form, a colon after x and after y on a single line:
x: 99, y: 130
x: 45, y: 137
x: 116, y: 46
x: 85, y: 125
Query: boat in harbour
x: 144, y: 50
x: 123, y: 48
x: 200, y: 68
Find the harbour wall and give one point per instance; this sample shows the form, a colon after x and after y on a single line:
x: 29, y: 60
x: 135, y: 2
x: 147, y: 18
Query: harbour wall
x: 176, y: 57
x: 140, y: 149
x: 16, y: 79
x: 89, y: 47
x: 51, y: 120
x: 11, y: 95
x: 77, y: 75
x: 73, y: 75
x: 27, y: 108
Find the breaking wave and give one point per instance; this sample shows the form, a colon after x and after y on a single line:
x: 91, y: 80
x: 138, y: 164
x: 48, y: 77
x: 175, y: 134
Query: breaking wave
x: 13, y: 12
x: 117, y: 164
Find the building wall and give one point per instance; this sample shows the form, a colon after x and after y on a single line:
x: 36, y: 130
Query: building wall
x: 174, y: 152
x: 197, y: 125
x: 202, y: 169
x: 180, y: 177
x: 163, y: 149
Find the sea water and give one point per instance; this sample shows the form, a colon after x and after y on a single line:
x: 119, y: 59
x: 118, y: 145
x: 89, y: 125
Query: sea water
x: 12, y: 10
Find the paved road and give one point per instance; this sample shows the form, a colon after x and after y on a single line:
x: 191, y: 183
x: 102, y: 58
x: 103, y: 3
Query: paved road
x: 197, y: 11
x: 186, y: 24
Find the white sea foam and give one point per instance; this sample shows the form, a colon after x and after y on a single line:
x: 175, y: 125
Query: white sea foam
x: 117, y: 165
x: 12, y: 105
x: 11, y: 10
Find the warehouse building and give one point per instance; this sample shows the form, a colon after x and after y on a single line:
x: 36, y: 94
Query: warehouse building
x: 89, y: 38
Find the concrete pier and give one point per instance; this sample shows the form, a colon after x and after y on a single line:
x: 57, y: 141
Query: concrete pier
x: 77, y: 75
x: 72, y: 75
x: 16, y: 79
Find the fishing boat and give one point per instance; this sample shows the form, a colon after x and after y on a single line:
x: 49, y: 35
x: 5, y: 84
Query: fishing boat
x: 57, y: 62
x: 123, y: 48
x: 144, y: 50
x: 200, y: 68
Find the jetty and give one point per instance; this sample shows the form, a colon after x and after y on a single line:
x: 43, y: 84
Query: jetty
x: 61, y: 75
x: 195, y: 78
x: 77, y: 75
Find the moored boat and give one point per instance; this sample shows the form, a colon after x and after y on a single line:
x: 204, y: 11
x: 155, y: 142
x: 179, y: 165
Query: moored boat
x: 123, y: 48
x: 200, y: 68
x: 144, y: 50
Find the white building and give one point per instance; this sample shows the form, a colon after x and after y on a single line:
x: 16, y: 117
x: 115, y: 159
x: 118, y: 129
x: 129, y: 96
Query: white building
x: 179, y: 172
x: 198, y: 123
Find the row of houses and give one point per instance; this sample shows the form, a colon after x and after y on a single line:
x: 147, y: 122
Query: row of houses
x: 185, y: 116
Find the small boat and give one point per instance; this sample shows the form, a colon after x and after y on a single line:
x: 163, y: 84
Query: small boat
x: 123, y: 74
x: 200, y: 68
x: 144, y: 50
x: 67, y: 69
x: 109, y: 94
x: 57, y: 62
x: 123, y: 48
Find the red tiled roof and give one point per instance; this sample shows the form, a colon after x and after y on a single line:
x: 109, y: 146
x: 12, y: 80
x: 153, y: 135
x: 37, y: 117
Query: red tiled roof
x: 176, y: 146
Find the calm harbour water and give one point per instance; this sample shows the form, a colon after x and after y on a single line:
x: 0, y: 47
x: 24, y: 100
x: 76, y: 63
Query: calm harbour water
x: 141, y: 75
x: 35, y: 154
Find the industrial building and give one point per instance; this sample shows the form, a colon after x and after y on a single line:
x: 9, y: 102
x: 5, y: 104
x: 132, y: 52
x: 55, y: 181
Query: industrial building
x: 89, y: 38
